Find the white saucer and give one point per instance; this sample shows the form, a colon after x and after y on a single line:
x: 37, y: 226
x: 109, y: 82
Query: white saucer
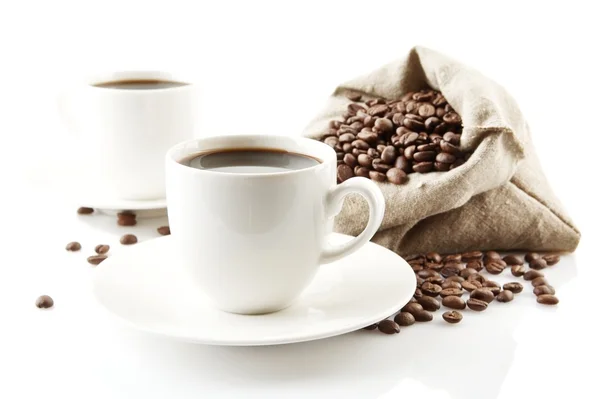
x: 143, y: 286
x: 99, y: 200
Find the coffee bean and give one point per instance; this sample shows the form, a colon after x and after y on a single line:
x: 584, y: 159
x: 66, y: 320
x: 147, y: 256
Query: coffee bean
x: 455, y: 278
x: 444, y: 157
x: 426, y: 110
x: 44, y: 302
x: 494, y: 290
x: 353, y: 96
x: 490, y: 283
x: 423, y: 316
x: 128, y: 239
x: 539, y: 281
x: 470, y: 285
x: 429, y: 303
x: 427, y: 147
x: 485, y: 294
x: 531, y: 256
x: 455, y: 258
x: 344, y: 172
x: 505, y: 296
x: 494, y: 267
x: 331, y: 141
x: 512, y: 260
x: 476, y: 265
x: 431, y: 289
x: 409, y: 152
x: 396, y: 176
x: 538, y: 264
x: 85, y: 211
x: 449, y: 148
x: 101, y: 249
x: 476, y: 277
x: 451, y: 269
x: 96, y: 259
x: 551, y: 260
x: 377, y: 176
x: 365, y: 160
x: 366, y: 136
x: 434, y: 257
x: 389, y: 155
x: 73, y: 246
x: 452, y: 317
x: 514, y: 287
x: 435, y: 280
x: 544, y: 290
x: 404, y: 319
x: 532, y: 274
x: 126, y: 219
x: 403, y: 164
x: 412, y: 308
x: 518, y: 270
x: 467, y: 272
x: 388, y: 327
x: 418, y: 293
x: 350, y: 160
x: 384, y: 125
x: 434, y: 266
x: 423, y: 156
x: 547, y: 299
x: 492, y: 255
x: 371, y: 327
x: 450, y: 137
x: 454, y: 302
x: 472, y: 255
x: 377, y: 110
x: 347, y: 138
x: 451, y: 284
x: 477, y: 305
x: 361, y: 171
x: 451, y: 292
x: 423, y: 167
x: 164, y: 230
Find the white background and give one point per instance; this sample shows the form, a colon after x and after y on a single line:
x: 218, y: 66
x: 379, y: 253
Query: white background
x: 267, y: 67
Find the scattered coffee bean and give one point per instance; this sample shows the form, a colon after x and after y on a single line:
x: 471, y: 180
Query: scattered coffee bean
x: 371, y: 327
x: 423, y: 316
x: 85, y: 211
x: 430, y: 289
x: 452, y: 317
x: 539, y: 281
x: 453, y: 258
x: 454, y: 302
x: 505, y: 296
x: 477, y: 277
x: 471, y: 285
x: 44, y: 302
x: 538, y: 264
x: 512, y: 260
x: 551, y: 260
x: 96, y: 259
x: 429, y: 303
x: 101, y: 249
x: 544, y: 290
x: 531, y: 256
x: 485, y: 294
x: 532, y: 274
x: 451, y: 292
x: 490, y: 284
x: 434, y: 257
x: 494, y: 267
x: 388, y: 327
x: 458, y: 279
x: 518, y: 270
x: 477, y: 305
x: 467, y: 272
x: 126, y: 219
x: 494, y: 290
x: 492, y: 255
x: 418, y: 294
x: 515, y: 287
x: 73, y: 246
x: 404, y: 319
x: 547, y: 299
x: 451, y: 284
x: 128, y: 239
x: 470, y: 256
x: 412, y: 308
x: 164, y: 230
x: 353, y: 96
x: 476, y: 265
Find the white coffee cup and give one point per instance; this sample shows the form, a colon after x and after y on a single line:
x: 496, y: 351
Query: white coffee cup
x: 123, y: 134
x: 252, y: 242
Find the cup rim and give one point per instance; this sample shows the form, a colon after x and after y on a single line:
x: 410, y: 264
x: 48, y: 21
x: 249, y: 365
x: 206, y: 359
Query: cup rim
x: 175, y: 154
x: 134, y: 74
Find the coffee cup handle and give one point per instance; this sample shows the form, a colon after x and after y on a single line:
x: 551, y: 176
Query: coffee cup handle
x: 369, y: 190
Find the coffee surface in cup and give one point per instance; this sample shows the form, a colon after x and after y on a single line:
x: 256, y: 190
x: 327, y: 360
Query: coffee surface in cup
x: 249, y: 160
x: 140, y: 84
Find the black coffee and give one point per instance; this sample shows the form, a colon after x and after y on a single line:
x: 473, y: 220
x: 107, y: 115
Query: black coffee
x: 250, y: 161
x: 142, y: 84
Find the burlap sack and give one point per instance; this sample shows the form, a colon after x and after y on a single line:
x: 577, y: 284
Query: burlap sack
x: 499, y: 199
